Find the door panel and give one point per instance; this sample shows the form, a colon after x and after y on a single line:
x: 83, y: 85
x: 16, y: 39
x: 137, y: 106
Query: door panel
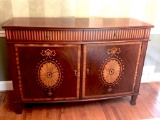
x: 48, y: 72
x: 110, y: 69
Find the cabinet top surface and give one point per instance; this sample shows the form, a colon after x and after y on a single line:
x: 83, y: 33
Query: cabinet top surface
x: 75, y: 23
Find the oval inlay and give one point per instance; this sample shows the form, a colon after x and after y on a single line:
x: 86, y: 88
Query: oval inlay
x: 49, y: 73
x: 111, y: 70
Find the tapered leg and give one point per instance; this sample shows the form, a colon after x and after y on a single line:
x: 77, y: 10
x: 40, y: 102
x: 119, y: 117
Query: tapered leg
x: 133, y: 99
x: 19, y: 107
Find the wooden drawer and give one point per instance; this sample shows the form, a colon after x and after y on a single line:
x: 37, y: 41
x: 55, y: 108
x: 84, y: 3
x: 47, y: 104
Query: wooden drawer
x: 44, y: 35
x: 115, y: 34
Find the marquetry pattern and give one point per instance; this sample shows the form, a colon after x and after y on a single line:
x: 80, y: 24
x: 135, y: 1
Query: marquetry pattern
x: 111, y: 72
x: 112, y: 69
x: 114, y: 34
x: 49, y: 74
x: 44, y: 35
x: 77, y: 35
x: 19, y: 72
x: 109, y: 63
x: 42, y: 69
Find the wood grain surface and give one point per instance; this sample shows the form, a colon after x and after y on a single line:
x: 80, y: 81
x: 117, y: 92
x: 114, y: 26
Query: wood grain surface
x: 75, y: 23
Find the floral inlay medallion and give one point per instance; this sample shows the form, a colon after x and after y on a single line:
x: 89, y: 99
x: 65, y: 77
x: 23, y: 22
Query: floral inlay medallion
x: 112, y: 69
x: 49, y: 71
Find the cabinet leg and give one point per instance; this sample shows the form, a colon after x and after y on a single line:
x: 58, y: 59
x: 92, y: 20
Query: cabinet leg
x: 133, y: 99
x: 18, y: 107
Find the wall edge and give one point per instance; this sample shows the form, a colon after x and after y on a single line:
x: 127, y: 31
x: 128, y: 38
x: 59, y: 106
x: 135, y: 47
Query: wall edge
x: 2, y: 34
x: 6, y: 85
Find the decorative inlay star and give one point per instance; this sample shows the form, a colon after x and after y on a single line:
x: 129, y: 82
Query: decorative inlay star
x: 114, y: 51
x: 48, y: 53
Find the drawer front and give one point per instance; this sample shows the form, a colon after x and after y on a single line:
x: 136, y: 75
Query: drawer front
x: 115, y: 34
x: 76, y: 35
x: 44, y: 35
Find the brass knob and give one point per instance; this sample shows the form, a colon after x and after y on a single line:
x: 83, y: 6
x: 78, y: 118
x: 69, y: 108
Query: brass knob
x: 75, y: 72
x: 87, y: 71
x: 47, y: 35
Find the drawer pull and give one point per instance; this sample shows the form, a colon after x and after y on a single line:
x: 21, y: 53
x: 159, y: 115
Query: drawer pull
x: 75, y: 72
x: 87, y: 71
x: 47, y: 35
x: 115, y: 34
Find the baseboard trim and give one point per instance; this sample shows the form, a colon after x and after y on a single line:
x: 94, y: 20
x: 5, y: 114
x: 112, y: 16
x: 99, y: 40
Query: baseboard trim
x: 6, y: 85
x: 2, y: 34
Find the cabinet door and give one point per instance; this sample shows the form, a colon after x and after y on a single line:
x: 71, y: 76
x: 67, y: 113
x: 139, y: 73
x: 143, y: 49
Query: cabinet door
x: 110, y: 69
x: 48, y: 72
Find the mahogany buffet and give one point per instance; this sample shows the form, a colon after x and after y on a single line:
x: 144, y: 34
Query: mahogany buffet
x: 75, y: 59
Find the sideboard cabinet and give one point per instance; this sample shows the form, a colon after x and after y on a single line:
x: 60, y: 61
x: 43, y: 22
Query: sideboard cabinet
x: 75, y: 59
